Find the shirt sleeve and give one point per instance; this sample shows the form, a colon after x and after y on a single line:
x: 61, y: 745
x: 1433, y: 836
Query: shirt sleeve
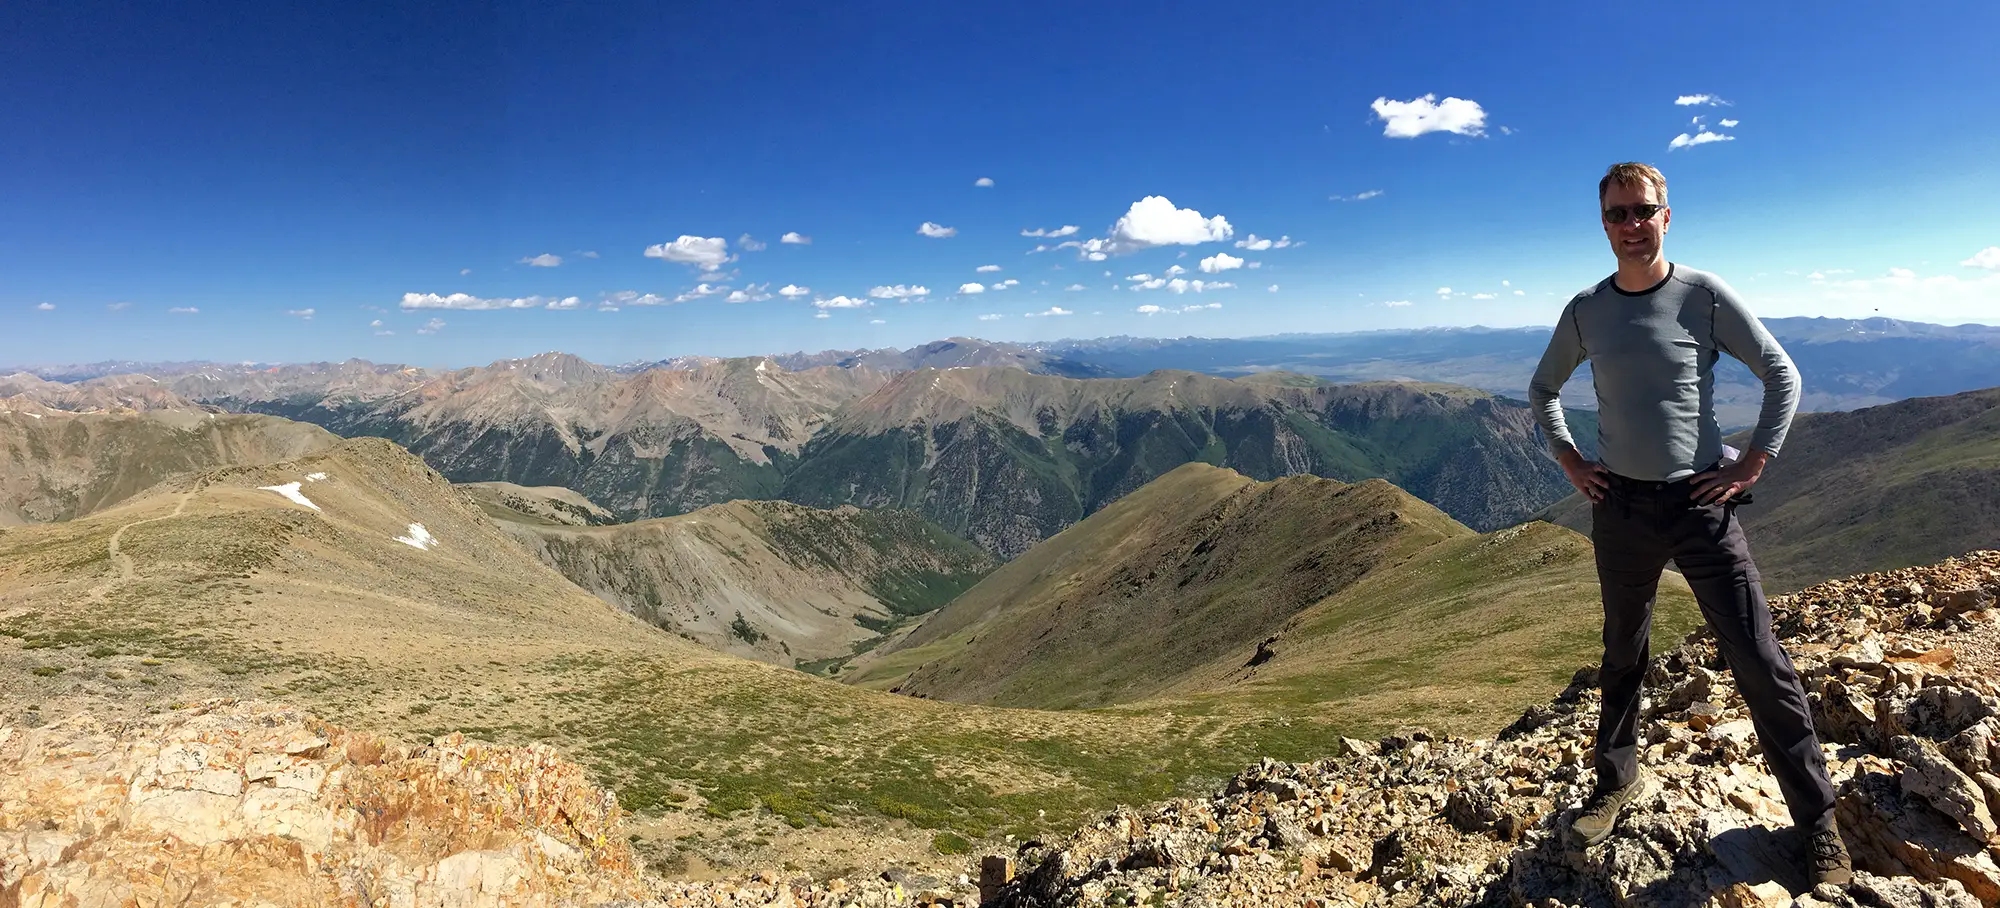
x: 1739, y: 334
x: 1559, y: 362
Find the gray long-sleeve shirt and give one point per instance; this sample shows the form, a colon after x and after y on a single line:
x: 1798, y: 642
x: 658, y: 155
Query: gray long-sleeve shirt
x: 1652, y: 360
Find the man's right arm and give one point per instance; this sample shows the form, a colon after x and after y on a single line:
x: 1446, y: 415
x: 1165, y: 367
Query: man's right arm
x: 1559, y: 362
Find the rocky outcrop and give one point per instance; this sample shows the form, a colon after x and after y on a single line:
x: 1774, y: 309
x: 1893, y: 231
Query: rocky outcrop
x: 249, y: 804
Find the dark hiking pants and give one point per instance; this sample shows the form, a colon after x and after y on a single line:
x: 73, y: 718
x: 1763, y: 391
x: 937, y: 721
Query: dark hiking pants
x: 1636, y: 529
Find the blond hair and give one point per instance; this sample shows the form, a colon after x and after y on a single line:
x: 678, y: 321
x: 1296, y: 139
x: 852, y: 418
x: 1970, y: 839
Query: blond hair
x: 1632, y: 173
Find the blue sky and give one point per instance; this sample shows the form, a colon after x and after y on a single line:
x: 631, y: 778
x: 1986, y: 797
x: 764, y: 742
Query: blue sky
x: 382, y: 163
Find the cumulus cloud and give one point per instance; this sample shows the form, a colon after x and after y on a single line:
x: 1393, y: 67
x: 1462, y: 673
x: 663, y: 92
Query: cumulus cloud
x: 464, y: 271
x: 1699, y: 101
x: 1175, y: 270
x: 1520, y: 293
x: 1506, y: 283
x: 936, y: 231
x: 796, y: 239
x: 1901, y: 274
x: 182, y: 310
x: 822, y: 314
x: 1149, y: 309
x: 45, y: 307
x: 468, y: 301
x: 592, y: 255
x: 1988, y: 258
x: 794, y: 291
x: 306, y: 314
x: 971, y: 288
x: 1701, y: 138
x: 841, y: 302
x: 1444, y: 291
x: 1064, y: 230
x: 1002, y: 285
x: 710, y: 253
x: 1395, y: 304
x: 699, y: 291
x: 1196, y: 307
x: 1484, y: 296
x: 1273, y: 288
x: 1150, y: 284
x: 1052, y: 310
x: 118, y: 307
x: 748, y: 243
x: 1154, y: 221
x: 1412, y: 118
x: 545, y: 260
x: 1726, y: 124
x: 899, y: 291
x: 1219, y: 262
x: 991, y: 317
x: 1179, y: 285
x: 1254, y: 243
x: 1357, y: 197
x: 1138, y: 277
x: 1074, y: 287
x: 983, y: 182
x: 432, y: 327
x: 612, y: 301
x: 753, y: 293
x: 986, y: 268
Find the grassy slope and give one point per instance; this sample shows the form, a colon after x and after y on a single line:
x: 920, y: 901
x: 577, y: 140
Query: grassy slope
x: 236, y: 591
x: 1411, y: 620
x: 1886, y: 487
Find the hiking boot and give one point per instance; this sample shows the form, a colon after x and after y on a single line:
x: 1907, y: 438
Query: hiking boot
x: 1828, y: 854
x: 1600, y: 812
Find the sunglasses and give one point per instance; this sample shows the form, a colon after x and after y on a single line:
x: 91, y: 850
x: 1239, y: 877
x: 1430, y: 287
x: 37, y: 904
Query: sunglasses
x: 1619, y: 214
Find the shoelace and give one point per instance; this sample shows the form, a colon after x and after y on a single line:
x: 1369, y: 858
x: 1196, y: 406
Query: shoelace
x: 1826, y: 846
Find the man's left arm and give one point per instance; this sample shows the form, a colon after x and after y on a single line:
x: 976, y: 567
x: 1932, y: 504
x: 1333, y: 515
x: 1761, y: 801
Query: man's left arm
x: 1739, y: 334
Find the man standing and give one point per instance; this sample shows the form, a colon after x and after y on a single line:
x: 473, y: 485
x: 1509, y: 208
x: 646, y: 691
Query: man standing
x: 1660, y: 490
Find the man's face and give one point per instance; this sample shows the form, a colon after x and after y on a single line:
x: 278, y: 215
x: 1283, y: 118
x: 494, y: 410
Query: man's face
x: 1634, y: 241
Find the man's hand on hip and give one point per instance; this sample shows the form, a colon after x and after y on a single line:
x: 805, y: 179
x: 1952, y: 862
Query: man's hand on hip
x: 1728, y: 482
x: 1589, y: 476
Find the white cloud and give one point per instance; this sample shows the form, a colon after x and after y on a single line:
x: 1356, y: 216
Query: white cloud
x: 1699, y: 100
x: 1409, y: 119
x: 753, y: 293
x: 991, y: 317
x: 1052, y: 310
x: 1944, y: 299
x: 1444, y: 291
x: 878, y: 321
x: 1256, y: 264
x: 710, y: 253
x: 1520, y: 293
x: 1178, y: 285
x: 592, y: 255
x: 1726, y: 124
x: 432, y: 326
x: 899, y: 291
x: 1255, y: 243
x: 545, y: 260
x: 796, y: 239
x: 1220, y: 262
x: 794, y: 291
x: 1153, y: 284
x: 1393, y: 304
x: 1484, y: 296
x: 1175, y: 271
x: 748, y: 243
x: 1150, y: 309
x: 1074, y: 287
x: 612, y: 301
x: 936, y: 231
x: 1154, y: 221
x: 1506, y: 283
x: 468, y: 301
x: 1701, y: 138
x: 464, y: 271
x: 1064, y: 230
x: 1988, y: 257
x: 1901, y: 274
x: 568, y: 302
x: 986, y: 268
x: 306, y: 314
x: 971, y: 288
x: 183, y: 310
x: 841, y: 302
x: 699, y: 291
x: 45, y: 307
x: 1138, y: 277
x: 822, y: 314
x: 1195, y: 307
x: 1010, y: 282
x: 1273, y: 288
x: 1357, y: 197
x: 983, y: 181
x: 375, y: 324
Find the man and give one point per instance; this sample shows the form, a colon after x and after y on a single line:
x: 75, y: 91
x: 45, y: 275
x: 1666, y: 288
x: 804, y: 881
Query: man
x: 1661, y: 490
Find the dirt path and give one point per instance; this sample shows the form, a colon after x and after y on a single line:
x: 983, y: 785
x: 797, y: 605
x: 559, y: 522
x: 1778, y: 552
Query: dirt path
x: 122, y: 562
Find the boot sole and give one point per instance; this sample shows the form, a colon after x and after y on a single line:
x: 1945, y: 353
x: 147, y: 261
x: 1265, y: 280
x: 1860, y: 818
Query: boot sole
x: 1648, y: 787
